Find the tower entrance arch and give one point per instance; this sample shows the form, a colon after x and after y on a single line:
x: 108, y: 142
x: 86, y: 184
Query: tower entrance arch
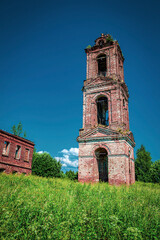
x: 102, y: 162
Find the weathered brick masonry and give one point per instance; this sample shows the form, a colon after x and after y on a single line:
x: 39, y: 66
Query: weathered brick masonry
x: 15, y: 153
x: 106, y: 145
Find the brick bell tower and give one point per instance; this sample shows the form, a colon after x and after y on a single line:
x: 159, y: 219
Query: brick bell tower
x: 106, y: 145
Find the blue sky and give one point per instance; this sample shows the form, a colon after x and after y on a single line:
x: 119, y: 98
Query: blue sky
x: 42, y: 68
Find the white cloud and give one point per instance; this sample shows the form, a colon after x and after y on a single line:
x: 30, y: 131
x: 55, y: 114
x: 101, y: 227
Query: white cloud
x: 40, y: 152
x: 58, y: 159
x: 68, y: 158
x: 67, y: 162
x: 74, y: 151
x: 71, y: 151
x: 65, y: 151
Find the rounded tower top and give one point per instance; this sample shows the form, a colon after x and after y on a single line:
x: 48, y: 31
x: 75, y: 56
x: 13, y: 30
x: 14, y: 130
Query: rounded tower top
x: 105, y: 40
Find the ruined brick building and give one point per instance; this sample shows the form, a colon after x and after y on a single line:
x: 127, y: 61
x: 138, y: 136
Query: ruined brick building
x: 106, y: 145
x: 15, y: 154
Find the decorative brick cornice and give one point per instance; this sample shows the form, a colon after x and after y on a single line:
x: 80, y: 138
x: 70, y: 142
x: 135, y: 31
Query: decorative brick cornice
x: 2, y: 132
x: 108, y: 135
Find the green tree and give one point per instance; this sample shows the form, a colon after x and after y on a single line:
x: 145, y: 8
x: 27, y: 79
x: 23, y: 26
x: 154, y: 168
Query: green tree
x: 14, y: 130
x: 142, y: 164
x: 72, y: 175
x: 154, y: 173
x: 109, y: 38
x: 45, y: 166
x: 18, y: 130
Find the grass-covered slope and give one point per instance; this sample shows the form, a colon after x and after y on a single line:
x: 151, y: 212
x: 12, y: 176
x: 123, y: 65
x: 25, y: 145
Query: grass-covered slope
x: 39, y: 208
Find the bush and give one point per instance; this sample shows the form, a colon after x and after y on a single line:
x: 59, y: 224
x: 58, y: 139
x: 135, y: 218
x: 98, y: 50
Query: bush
x: 72, y: 175
x: 109, y: 39
x: 45, y: 166
x: 89, y: 46
x: 154, y: 172
x: 145, y: 169
x: 142, y: 164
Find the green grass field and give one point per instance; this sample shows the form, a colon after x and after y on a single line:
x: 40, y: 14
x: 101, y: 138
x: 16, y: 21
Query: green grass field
x: 40, y: 208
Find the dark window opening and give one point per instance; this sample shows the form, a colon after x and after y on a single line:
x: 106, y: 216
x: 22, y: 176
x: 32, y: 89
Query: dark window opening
x: 6, y: 148
x: 18, y: 152
x: 129, y: 167
x: 101, y: 43
x: 102, y: 69
x: 123, y: 103
x: 102, y: 161
x: 26, y: 156
x: 102, y: 111
x: 2, y: 170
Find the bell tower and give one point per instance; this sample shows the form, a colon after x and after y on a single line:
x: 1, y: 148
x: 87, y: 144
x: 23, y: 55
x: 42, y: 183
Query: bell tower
x: 106, y: 144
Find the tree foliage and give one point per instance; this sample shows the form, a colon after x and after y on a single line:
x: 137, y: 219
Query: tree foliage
x: 109, y: 38
x: 72, y: 175
x: 154, y: 173
x: 142, y: 164
x: 18, y: 130
x: 45, y: 166
x: 145, y: 169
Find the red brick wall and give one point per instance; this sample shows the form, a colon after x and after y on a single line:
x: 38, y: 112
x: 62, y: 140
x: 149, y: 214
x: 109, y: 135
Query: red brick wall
x: 118, y: 114
x: 118, y: 162
x: 114, y: 62
x: 9, y: 162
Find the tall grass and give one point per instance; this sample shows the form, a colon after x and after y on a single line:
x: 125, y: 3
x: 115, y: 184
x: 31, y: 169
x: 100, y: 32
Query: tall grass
x: 40, y: 208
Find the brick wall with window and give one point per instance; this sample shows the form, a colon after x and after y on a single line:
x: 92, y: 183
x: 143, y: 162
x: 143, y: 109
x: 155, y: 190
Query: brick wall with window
x: 15, y: 153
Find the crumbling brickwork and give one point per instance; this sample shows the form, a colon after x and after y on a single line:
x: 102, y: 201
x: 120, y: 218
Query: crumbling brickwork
x: 15, y: 153
x: 105, y: 118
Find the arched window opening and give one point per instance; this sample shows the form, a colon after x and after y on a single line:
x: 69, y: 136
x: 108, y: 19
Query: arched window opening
x: 102, y: 111
x: 102, y: 161
x: 101, y: 43
x: 102, y: 69
x: 123, y: 102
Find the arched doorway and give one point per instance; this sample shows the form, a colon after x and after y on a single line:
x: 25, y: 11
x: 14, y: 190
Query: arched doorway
x: 102, y: 161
